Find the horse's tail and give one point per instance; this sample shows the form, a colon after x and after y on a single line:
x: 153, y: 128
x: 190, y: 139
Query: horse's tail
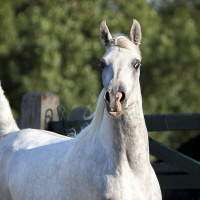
x: 7, y: 122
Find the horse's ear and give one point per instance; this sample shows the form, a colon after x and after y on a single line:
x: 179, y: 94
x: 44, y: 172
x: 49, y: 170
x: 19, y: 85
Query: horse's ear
x: 135, y: 33
x: 105, y: 35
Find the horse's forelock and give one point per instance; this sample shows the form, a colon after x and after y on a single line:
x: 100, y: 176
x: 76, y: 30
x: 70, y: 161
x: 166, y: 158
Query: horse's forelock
x: 123, y: 42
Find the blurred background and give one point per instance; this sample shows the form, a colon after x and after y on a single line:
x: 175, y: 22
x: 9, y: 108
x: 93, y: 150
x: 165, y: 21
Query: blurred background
x: 54, y: 46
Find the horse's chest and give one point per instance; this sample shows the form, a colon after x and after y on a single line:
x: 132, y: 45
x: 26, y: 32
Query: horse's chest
x: 118, y: 188
x: 127, y: 187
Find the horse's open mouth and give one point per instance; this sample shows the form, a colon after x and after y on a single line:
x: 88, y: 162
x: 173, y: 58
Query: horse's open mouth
x: 115, y: 114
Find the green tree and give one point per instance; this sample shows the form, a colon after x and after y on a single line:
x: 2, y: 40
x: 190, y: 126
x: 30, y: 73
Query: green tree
x: 174, y: 68
x: 54, y: 46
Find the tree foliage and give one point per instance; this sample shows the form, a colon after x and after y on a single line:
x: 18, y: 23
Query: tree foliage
x: 174, y: 67
x: 54, y: 46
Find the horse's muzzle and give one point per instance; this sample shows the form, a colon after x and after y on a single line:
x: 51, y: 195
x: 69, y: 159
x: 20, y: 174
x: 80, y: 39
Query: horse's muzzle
x: 114, y: 102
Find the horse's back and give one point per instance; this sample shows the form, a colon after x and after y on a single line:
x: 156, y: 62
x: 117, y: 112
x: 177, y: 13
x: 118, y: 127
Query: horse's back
x: 29, y: 153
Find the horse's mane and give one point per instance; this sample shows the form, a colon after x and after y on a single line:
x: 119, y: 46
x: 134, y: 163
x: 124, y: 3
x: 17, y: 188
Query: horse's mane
x: 96, y: 117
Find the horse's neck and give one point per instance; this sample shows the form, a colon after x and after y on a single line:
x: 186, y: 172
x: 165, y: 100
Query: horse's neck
x: 127, y: 137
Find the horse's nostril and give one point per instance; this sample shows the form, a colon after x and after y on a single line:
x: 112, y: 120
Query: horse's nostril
x: 107, y: 97
x: 122, y: 97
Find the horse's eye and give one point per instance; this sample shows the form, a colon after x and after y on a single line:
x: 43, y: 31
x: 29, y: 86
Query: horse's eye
x: 136, y: 64
x: 102, y: 64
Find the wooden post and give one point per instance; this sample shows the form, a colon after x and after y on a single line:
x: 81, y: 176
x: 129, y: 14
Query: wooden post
x: 38, y: 109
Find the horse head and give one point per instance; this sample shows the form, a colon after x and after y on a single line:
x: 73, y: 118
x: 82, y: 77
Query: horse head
x: 120, y: 68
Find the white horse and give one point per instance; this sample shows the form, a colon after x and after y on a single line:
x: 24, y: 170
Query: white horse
x: 109, y: 159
